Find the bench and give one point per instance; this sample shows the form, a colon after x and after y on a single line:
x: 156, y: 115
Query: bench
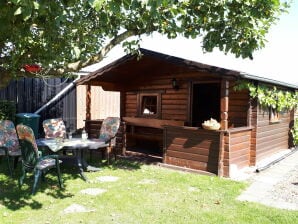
x: 148, y: 129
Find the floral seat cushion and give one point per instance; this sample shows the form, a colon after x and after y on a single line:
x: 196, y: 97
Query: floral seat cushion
x: 9, y: 138
x: 46, y: 163
x: 54, y: 128
x: 26, y: 133
x: 109, y: 128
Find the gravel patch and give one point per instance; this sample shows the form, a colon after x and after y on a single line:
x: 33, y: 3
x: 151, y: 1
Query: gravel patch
x: 286, y: 190
x: 276, y: 186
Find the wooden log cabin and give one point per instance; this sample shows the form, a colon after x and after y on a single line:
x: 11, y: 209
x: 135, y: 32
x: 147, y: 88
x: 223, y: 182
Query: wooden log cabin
x: 165, y: 100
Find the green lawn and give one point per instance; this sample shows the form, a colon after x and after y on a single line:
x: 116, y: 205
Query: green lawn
x: 141, y: 194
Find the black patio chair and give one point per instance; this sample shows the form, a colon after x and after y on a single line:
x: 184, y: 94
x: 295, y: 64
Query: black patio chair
x: 32, y: 160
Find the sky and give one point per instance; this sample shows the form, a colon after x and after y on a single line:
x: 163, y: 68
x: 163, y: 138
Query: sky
x: 278, y: 60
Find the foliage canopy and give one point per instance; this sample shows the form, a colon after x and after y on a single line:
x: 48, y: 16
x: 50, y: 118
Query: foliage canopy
x: 270, y: 96
x: 66, y: 35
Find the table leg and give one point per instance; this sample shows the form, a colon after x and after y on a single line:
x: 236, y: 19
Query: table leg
x: 88, y: 167
x: 81, y: 164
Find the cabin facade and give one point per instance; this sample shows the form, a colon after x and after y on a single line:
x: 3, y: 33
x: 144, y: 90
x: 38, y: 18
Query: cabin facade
x: 164, y: 100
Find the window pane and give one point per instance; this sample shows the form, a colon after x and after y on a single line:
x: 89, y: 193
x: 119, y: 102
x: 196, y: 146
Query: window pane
x: 149, y: 105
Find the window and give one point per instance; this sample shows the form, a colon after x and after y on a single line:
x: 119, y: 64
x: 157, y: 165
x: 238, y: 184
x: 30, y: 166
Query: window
x: 149, y: 105
x: 274, y: 116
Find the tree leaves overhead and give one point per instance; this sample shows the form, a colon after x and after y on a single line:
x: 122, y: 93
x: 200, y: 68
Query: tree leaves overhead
x: 65, y: 35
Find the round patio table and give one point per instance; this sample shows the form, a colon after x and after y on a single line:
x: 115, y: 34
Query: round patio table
x: 76, y: 145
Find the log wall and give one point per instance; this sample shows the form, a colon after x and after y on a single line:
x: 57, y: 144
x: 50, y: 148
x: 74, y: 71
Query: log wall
x: 174, y: 103
x: 237, y: 144
x: 238, y: 108
x: 271, y: 137
x: 192, y: 148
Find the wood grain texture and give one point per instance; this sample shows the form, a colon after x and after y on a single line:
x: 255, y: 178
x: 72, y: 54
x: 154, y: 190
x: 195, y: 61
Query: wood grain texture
x: 196, y: 149
x: 271, y: 137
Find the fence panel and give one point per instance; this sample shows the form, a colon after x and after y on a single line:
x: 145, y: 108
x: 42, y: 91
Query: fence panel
x: 30, y: 94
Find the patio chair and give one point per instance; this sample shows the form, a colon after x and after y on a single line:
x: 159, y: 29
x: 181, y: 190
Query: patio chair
x: 9, y: 143
x: 32, y: 160
x: 54, y: 128
x: 108, y: 131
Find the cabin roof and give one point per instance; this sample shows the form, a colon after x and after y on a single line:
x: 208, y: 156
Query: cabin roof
x: 130, y: 67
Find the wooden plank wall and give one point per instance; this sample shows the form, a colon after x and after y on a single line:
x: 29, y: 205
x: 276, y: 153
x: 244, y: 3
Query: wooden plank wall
x: 271, y: 137
x: 192, y: 148
x: 240, y: 148
x: 238, y: 108
x: 103, y: 104
x: 174, y: 103
x: 237, y: 145
x: 131, y: 105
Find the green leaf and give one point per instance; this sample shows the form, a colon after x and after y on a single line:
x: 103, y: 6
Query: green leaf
x: 115, y: 7
x: 97, y: 4
x: 36, y: 5
x: 15, y: 1
x: 27, y: 13
x: 77, y: 52
x: 18, y: 11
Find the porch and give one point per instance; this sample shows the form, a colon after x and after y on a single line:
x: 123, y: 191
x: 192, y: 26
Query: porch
x: 164, y: 100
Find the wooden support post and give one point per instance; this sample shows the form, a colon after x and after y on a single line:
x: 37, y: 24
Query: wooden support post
x: 253, y: 123
x: 88, y: 102
x: 220, y: 169
x: 224, y: 109
x: 224, y: 104
x: 122, y: 103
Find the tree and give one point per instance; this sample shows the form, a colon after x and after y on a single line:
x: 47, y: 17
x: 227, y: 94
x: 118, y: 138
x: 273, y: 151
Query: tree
x: 66, y: 35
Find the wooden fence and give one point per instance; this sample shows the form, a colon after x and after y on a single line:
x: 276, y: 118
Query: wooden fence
x: 30, y: 94
x: 103, y: 104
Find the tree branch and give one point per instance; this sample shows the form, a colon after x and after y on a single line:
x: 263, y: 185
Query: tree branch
x: 72, y: 67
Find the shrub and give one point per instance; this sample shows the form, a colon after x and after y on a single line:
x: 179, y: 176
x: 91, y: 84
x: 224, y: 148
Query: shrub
x: 7, y: 110
x: 294, y: 131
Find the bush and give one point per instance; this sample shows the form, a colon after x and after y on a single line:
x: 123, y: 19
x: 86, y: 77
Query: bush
x: 7, y: 110
x: 295, y: 132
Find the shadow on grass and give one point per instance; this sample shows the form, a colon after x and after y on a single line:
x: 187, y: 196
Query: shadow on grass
x: 131, y: 163
x: 14, y: 198
x: 125, y: 164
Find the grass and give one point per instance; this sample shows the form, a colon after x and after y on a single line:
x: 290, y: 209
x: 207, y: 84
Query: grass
x: 142, y: 194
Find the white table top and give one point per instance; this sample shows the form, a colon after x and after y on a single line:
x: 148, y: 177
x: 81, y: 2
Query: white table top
x: 56, y: 144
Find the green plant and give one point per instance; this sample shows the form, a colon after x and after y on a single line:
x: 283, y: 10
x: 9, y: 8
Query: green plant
x: 270, y: 96
x: 7, y: 110
x: 294, y: 132
x: 78, y: 33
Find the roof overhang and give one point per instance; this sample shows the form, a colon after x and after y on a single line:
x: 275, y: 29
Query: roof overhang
x: 130, y: 68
